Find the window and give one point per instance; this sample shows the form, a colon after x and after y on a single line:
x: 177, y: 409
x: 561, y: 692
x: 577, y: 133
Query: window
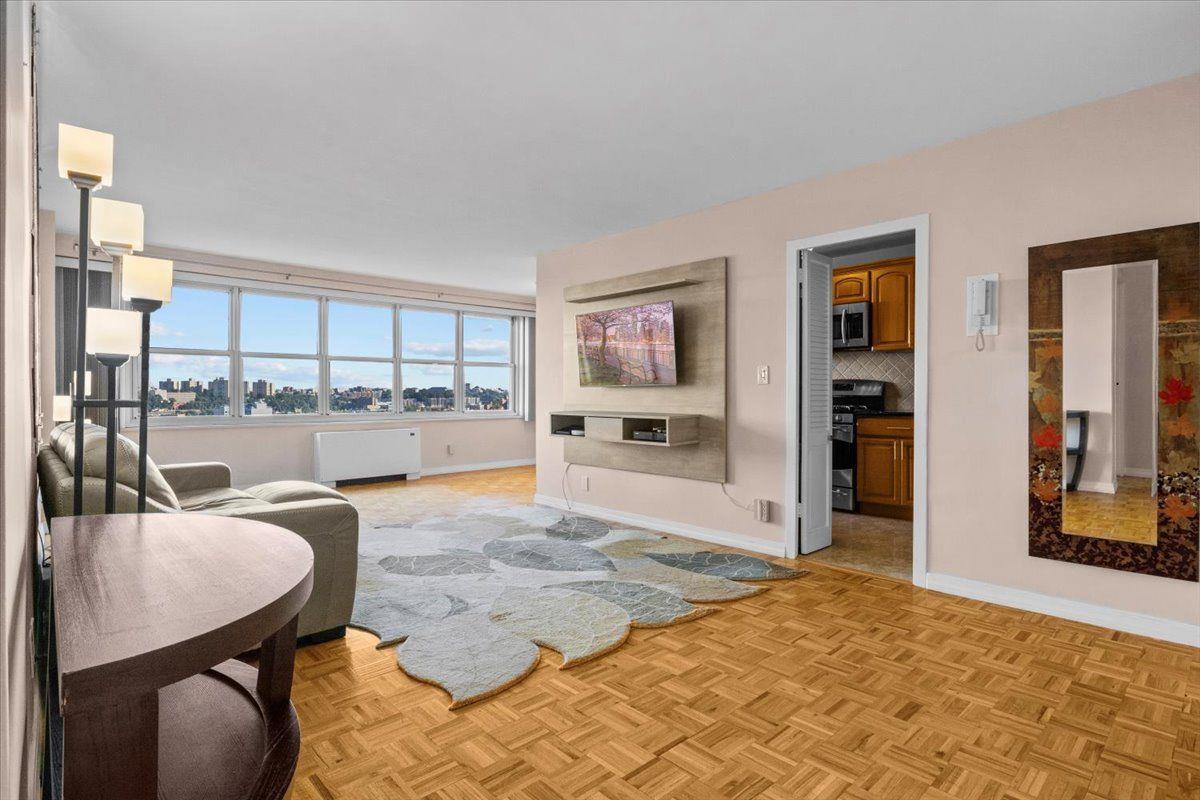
x: 488, y: 366
x: 362, y: 371
x: 275, y: 327
x: 429, y: 361
x: 255, y: 352
x: 190, y: 355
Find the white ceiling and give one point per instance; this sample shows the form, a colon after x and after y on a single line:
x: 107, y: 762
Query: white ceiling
x: 451, y: 143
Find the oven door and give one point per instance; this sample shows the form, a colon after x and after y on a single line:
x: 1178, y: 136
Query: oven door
x: 843, y: 466
x: 851, y: 325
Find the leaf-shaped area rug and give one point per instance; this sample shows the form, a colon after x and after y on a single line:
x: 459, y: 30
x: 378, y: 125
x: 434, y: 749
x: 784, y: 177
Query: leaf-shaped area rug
x: 579, y: 626
x: 471, y: 659
x: 473, y: 597
x: 646, y: 606
x: 725, y: 565
x: 547, y: 555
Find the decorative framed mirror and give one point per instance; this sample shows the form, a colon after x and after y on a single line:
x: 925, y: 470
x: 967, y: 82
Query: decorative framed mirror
x: 1114, y: 401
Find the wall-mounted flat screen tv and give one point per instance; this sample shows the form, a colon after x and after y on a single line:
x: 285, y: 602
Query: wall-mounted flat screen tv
x: 631, y: 346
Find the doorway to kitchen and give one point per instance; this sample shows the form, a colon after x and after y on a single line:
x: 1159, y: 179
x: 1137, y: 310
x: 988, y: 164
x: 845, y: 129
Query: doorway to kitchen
x: 857, y: 330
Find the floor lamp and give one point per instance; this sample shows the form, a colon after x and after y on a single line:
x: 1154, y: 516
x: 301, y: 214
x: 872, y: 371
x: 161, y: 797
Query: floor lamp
x: 118, y: 229
x: 85, y: 158
x: 145, y: 285
x: 113, y: 336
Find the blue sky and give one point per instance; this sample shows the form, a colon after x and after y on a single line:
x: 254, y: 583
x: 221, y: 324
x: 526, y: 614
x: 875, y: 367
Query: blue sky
x: 196, y: 318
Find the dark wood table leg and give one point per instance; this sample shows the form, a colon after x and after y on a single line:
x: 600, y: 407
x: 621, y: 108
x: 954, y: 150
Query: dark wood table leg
x: 275, y: 661
x: 92, y: 737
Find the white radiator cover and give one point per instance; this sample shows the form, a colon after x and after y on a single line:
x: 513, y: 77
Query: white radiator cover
x: 349, y: 455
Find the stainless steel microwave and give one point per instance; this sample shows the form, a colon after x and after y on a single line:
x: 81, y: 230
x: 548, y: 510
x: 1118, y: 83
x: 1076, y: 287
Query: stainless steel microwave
x: 851, y: 326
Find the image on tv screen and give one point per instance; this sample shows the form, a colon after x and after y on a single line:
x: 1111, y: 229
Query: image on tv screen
x: 632, y: 346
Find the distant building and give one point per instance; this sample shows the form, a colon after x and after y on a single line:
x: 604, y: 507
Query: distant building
x: 261, y: 389
x: 176, y: 399
x: 219, y: 387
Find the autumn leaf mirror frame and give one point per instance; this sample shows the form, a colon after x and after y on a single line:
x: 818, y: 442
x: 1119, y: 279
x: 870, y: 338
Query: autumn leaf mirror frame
x: 1176, y: 554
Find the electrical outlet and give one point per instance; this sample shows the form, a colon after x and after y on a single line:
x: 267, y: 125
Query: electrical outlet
x: 587, y: 483
x: 449, y: 449
x: 764, y: 374
x: 762, y: 510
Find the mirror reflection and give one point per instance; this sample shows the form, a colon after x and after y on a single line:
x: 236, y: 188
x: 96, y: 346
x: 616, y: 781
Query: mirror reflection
x: 1110, y: 403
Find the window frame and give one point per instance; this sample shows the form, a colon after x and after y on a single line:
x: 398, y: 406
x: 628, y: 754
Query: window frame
x: 511, y: 363
x: 235, y: 289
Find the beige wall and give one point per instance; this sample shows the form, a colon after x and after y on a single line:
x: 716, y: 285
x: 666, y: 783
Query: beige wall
x: 1123, y: 164
x: 19, y: 717
x: 271, y: 452
x: 1136, y: 336
x: 1087, y: 374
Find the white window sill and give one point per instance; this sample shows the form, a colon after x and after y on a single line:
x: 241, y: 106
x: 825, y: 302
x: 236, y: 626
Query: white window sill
x: 313, y: 420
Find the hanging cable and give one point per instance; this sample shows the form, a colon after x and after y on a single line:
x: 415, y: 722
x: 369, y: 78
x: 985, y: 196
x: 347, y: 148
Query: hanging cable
x: 747, y: 507
x: 979, y: 343
x: 566, y: 499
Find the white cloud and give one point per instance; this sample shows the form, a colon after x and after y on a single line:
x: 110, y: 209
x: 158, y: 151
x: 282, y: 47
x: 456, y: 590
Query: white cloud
x: 486, y: 347
x: 430, y: 349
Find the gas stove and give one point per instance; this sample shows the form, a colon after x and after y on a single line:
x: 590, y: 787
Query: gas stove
x: 850, y: 398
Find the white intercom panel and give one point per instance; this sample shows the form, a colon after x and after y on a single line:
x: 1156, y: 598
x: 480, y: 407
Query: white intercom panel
x: 983, y: 304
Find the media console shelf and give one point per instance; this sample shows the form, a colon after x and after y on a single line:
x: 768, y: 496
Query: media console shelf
x: 611, y: 426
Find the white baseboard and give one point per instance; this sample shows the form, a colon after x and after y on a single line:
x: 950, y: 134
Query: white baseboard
x: 1129, y: 621
x: 710, y: 535
x: 516, y: 462
x: 1136, y: 472
x: 1097, y: 486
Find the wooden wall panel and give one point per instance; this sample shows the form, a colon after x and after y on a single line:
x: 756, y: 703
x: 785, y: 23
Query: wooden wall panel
x: 698, y: 292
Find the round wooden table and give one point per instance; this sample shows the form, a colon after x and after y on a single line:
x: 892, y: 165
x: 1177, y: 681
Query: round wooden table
x: 149, y: 610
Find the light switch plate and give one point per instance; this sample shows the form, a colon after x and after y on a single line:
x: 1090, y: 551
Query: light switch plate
x: 764, y: 374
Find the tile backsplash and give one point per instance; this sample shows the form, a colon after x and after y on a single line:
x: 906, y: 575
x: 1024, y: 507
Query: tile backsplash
x: 895, y: 367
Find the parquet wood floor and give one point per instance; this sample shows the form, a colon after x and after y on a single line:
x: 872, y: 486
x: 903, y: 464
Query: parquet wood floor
x: 838, y: 685
x: 1129, y: 515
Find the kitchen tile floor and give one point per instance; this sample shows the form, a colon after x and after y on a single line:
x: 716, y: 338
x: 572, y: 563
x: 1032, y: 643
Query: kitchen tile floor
x: 877, y: 545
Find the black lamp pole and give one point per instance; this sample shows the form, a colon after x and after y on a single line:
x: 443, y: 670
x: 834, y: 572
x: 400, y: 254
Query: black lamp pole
x: 146, y: 308
x: 81, y: 304
x: 111, y: 363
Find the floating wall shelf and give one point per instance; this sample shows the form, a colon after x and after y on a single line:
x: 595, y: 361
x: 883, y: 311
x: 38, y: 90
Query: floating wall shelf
x: 611, y: 426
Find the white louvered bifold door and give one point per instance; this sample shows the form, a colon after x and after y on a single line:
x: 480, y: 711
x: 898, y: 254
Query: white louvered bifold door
x: 816, y: 402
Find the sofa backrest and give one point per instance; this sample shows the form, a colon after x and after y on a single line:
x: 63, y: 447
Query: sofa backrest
x: 62, y: 444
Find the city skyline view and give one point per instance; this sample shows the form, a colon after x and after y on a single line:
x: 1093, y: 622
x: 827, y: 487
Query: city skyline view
x: 277, y: 344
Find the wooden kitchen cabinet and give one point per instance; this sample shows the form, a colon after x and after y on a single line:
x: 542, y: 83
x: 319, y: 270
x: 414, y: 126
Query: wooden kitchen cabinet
x: 890, y: 287
x: 884, y: 468
x: 893, y: 306
x: 851, y: 286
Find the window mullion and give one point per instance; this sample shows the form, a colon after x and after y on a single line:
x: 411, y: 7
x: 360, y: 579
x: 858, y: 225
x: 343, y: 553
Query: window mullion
x: 323, y: 356
x: 237, y: 399
x: 397, y: 377
x: 460, y: 390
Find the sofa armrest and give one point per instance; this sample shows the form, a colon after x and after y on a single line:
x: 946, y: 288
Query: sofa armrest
x: 196, y: 476
x: 330, y: 526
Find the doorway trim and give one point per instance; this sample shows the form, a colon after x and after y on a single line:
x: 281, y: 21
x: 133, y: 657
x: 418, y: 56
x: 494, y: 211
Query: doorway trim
x: 919, y: 224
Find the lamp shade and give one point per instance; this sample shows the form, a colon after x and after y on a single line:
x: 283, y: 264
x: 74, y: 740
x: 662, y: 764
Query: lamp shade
x: 111, y: 331
x: 117, y: 226
x: 145, y: 278
x: 62, y: 408
x: 85, y: 154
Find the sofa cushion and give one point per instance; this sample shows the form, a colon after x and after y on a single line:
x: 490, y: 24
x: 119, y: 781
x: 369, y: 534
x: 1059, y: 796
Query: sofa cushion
x: 220, y: 498
x: 288, y: 491
x: 62, y: 440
